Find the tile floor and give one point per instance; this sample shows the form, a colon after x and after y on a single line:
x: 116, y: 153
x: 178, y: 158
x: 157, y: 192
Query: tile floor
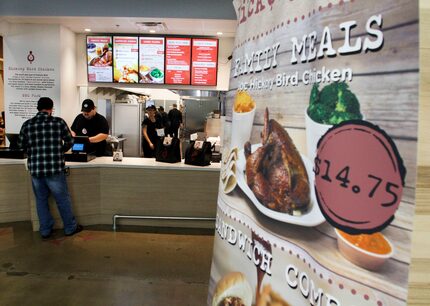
x: 133, y: 266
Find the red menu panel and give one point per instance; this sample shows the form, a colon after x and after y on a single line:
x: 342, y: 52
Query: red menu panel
x: 178, y: 60
x: 204, y: 62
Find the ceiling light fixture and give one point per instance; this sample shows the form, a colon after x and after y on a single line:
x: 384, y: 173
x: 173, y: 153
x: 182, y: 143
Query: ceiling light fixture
x: 151, y: 31
x: 87, y: 30
x: 219, y: 33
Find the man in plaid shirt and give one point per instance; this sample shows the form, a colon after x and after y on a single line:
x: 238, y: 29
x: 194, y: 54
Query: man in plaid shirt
x: 45, y: 138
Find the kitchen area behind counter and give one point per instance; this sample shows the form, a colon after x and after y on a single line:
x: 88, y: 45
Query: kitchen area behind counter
x: 102, y: 188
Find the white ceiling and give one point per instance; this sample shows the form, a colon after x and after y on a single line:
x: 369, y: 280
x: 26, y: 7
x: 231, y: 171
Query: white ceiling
x: 177, y: 26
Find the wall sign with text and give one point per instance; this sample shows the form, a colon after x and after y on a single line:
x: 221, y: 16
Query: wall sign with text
x: 178, y: 61
x: 204, y: 62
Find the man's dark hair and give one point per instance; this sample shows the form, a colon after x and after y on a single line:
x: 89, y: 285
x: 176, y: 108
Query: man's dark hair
x: 45, y: 103
x: 160, y: 108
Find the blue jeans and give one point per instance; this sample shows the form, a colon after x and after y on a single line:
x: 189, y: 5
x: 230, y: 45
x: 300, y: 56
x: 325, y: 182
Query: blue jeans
x: 57, y: 186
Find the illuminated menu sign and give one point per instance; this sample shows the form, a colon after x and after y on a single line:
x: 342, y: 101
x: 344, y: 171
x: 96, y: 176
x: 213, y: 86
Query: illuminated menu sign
x: 99, y: 58
x: 178, y: 58
x: 151, y: 60
x: 126, y: 59
x: 204, y: 62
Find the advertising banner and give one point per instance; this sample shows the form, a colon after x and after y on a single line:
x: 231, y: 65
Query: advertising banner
x: 317, y: 187
x: 126, y: 59
x: 178, y: 61
x: 31, y: 70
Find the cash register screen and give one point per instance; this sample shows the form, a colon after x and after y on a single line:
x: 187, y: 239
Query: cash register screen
x: 78, y: 147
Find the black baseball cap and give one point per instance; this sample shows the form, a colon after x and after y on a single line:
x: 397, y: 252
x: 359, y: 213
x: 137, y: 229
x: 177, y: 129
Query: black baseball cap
x: 45, y: 103
x: 87, y: 105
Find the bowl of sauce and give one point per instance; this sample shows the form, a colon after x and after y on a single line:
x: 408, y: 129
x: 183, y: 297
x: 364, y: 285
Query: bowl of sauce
x: 157, y: 75
x: 369, y: 251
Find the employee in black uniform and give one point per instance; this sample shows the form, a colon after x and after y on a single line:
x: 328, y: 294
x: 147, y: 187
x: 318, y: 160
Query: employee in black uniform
x: 92, y: 124
x: 175, y: 118
x: 149, y: 132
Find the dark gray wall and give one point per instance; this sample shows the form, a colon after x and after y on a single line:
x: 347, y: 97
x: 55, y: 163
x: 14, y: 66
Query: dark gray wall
x: 196, y: 111
x: 199, y: 9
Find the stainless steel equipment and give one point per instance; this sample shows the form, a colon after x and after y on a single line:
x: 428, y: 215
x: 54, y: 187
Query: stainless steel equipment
x: 127, y: 120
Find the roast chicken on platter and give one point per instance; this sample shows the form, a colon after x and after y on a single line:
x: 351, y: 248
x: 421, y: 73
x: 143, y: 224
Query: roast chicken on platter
x: 275, y: 171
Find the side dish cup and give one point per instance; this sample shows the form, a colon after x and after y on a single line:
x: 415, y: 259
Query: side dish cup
x: 361, y: 257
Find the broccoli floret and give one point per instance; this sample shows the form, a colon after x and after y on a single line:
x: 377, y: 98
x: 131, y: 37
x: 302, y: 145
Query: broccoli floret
x: 338, y: 117
x: 333, y: 104
x: 314, y: 95
x: 319, y: 112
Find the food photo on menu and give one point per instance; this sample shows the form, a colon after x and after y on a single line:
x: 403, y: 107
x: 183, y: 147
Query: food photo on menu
x: 150, y: 75
x: 102, y: 56
x: 274, y: 177
x: 272, y: 173
x: 279, y: 180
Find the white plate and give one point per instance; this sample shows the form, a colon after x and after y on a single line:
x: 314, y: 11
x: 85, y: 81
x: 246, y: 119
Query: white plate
x: 312, y: 217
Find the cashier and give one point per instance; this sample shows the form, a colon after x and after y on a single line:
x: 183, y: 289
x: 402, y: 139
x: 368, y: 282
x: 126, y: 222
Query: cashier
x: 92, y: 124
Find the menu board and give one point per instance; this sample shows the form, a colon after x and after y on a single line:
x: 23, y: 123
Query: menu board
x: 178, y: 58
x: 204, y: 62
x: 126, y: 58
x: 99, y: 58
x: 151, y: 60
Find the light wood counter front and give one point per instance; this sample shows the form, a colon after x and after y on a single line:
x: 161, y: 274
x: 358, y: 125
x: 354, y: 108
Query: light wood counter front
x: 102, y: 188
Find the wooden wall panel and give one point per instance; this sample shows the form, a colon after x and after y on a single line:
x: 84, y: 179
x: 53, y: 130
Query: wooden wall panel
x: 159, y: 192
x: 419, y: 277
x: 14, y: 194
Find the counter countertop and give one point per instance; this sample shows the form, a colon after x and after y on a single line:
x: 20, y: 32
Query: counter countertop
x: 127, y: 162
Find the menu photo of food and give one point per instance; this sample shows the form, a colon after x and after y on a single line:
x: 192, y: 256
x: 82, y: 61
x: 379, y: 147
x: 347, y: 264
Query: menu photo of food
x: 126, y: 59
x: 233, y: 289
x: 150, y: 75
x: 333, y: 104
x: 276, y: 178
x: 99, y: 58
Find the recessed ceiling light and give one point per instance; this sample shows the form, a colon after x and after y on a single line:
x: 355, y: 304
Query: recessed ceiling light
x: 219, y: 33
x: 151, y: 31
x: 87, y: 30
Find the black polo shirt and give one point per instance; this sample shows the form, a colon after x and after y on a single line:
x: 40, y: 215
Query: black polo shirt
x: 91, y: 127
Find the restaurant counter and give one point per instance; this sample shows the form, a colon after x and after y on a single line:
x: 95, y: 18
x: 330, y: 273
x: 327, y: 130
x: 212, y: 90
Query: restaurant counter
x: 103, y: 188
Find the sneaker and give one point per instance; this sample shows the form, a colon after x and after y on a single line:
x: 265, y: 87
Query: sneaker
x: 47, y: 236
x: 78, y: 229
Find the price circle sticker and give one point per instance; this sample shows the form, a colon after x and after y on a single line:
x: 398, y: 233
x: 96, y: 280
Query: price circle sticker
x: 359, y: 177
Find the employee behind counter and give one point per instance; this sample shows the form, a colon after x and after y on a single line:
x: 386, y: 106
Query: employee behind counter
x: 95, y: 126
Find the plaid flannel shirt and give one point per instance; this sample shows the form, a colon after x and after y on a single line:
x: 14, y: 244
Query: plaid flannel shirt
x: 45, y: 139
